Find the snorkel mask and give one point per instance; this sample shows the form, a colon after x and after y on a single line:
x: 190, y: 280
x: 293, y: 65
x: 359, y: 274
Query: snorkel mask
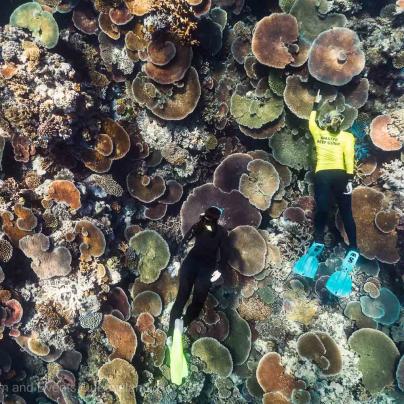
x: 212, y: 213
x: 333, y: 121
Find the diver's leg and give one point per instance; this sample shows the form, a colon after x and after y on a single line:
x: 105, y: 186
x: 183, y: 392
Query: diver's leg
x: 322, y: 191
x: 186, y: 281
x: 345, y: 207
x: 201, y: 289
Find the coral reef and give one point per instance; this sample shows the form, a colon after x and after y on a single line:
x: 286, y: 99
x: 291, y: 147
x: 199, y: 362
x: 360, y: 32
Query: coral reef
x: 121, y: 121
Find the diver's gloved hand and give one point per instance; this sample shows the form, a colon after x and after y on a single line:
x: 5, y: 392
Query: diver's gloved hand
x: 318, y: 97
x: 215, y: 276
x: 349, y: 188
x: 169, y: 341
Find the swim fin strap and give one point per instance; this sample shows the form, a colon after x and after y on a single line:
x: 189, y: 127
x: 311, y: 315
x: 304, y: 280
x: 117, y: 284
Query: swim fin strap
x: 178, y: 363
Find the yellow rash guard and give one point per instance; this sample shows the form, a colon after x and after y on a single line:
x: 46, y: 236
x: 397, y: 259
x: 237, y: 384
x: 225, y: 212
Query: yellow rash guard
x: 334, y: 151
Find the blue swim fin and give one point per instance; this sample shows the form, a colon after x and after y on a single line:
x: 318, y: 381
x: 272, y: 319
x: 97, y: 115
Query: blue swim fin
x: 178, y: 363
x: 308, y: 264
x: 340, y: 282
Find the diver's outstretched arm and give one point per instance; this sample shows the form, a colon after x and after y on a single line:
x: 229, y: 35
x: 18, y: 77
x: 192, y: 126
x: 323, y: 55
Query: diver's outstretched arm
x: 349, y: 160
x: 188, y: 236
x: 349, y: 154
x: 315, y: 130
x: 224, y: 251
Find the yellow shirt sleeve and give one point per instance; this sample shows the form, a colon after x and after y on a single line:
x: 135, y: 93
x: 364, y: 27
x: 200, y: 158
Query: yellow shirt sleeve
x: 315, y: 130
x: 349, y: 152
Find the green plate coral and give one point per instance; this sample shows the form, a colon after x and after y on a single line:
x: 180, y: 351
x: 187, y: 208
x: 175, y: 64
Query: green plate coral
x: 255, y: 110
x: 378, y: 355
x: 292, y: 151
x: 41, y: 23
x: 153, y: 253
x: 216, y: 356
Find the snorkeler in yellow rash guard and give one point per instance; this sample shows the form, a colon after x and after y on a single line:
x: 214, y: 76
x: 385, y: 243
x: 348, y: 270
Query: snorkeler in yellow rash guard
x: 334, y: 172
x: 333, y: 177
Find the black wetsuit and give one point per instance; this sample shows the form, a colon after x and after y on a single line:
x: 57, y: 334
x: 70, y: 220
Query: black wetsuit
x: 328, y: 184
x: 197, y: 269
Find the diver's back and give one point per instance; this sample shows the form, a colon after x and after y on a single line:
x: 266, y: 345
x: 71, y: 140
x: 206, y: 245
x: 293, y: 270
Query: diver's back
x: 207, y: 244
x: 330, y: 150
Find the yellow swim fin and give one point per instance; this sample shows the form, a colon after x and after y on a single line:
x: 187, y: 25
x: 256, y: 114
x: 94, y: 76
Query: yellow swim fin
x: 178, y: 363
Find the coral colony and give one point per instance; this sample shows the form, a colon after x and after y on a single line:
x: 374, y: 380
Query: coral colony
x: 120, y: 122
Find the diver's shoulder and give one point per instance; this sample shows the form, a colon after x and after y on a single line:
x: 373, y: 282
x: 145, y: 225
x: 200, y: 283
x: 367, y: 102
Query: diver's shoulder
x: 347, y: 135
x: 222, y: 228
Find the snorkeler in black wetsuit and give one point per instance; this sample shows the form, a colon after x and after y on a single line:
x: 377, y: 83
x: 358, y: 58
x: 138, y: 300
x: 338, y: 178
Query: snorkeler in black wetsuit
x: 198, y: 269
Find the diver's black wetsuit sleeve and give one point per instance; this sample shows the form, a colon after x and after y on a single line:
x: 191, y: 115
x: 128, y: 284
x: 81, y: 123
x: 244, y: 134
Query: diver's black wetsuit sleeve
x: 224, y: 250
x: 188, y: 235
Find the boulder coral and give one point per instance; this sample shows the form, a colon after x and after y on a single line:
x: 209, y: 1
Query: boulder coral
x: 260, y: 183
x: 320, y: 348
x: 121, y: 336
x: 93, y: 240
x: 247, y: 250
x: 239, y: 339
x: 380, y: 136
x: 65, y: 191
x: 237, y: 209
x: 271, y: 40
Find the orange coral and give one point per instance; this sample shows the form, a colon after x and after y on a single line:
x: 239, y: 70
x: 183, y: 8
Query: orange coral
x: 26, y: 219
x: 272, y: 377
x: 121, y: 336
x: 8, y: 70
x: 65, y: 191
x: 9, y: 227
x: 93, y: 244
x: 100, y: 158
x: 380, y: 136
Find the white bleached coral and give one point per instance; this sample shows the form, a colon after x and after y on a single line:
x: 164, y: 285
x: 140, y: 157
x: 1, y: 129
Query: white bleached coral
x: 336, y: 389
x: 158, y: 134
x: 393, y: 177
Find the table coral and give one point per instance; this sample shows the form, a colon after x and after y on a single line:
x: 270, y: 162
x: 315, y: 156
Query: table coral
x: 121, y: 336
x: 44, y: 263
x: 153, y: 253
x: 216, y: 356
x: 122, y: 379
x: 40, y: 22
x: 376, y: 350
